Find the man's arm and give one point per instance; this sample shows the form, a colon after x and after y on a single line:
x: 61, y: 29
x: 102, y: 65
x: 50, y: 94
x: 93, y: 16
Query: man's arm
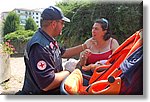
x: 43, y: 69
x: 74, y: 51
x: 59, y: 77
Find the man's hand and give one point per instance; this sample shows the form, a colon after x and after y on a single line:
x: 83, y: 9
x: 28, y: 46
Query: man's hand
x: 70, y: 65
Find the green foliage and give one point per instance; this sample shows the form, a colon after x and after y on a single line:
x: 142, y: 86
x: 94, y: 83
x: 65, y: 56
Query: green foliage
x: 11, y: 23
x: 21, y: 27
x: 19, y: 35
x: 124, y: 19
x: 30, y: 24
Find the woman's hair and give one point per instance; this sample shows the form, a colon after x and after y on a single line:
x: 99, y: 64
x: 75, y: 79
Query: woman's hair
x: 105, y: 26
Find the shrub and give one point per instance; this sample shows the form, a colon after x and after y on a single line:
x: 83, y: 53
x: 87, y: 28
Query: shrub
x: 7, y: 47
x: 30, y: 24
x: 12, y: 23
x: 19, y: 39
x: 19, y: 35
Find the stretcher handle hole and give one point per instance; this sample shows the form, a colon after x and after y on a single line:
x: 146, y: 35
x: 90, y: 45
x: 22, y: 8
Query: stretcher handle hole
x: 111, y: 79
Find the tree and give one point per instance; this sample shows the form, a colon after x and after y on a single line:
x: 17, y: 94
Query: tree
x: 124, y: 19
x: 11, y: 23
x: 30, y: 24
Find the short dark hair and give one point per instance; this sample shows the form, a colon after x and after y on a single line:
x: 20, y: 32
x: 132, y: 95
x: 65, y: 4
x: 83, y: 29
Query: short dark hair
x: 44, y: 23
x: 105, y: 26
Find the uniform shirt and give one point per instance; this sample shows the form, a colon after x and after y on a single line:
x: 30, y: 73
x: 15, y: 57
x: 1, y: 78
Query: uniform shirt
x: 43, y: 60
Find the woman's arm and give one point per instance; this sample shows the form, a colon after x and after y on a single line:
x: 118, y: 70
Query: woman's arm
x: 115, y: 45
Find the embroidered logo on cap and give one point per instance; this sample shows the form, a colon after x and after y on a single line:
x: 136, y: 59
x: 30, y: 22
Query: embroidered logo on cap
x: 41, y: 65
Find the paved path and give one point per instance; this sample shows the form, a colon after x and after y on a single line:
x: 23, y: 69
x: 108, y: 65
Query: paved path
x: 17, y: 76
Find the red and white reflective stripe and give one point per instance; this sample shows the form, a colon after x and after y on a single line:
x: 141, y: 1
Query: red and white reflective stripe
x: 51, y: 45
x: 56, y: 44
x: 41, y: 65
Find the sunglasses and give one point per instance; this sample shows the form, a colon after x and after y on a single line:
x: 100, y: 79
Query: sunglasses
x: 62, y: 22
x: 105, y: 21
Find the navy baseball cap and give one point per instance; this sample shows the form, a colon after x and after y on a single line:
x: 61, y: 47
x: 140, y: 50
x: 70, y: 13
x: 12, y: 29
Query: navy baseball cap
x: 53, y: 13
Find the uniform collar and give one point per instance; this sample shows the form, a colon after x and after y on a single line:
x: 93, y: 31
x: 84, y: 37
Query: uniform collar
x: 51, y: 39
x: 46, y: 35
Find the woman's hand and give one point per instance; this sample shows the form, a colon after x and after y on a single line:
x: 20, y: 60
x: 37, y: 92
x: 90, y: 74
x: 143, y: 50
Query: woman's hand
x: 84, y: 56
x: 93, y: 66
x: 89, y: 67
x: 101, y: 62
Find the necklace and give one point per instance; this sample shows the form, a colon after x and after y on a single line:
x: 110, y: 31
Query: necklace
x: 101, y: 47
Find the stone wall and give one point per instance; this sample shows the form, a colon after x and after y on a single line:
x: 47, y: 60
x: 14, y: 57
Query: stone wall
x: 5, y: 70
x: 20, y: 47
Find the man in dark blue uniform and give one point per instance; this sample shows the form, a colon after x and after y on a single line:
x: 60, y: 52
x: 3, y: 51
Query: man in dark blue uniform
x: 44, y: 71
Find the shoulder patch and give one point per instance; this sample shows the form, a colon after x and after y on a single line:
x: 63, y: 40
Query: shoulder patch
x: 41, y: 65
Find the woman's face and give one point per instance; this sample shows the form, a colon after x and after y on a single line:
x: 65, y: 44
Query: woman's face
x: 97, y: 31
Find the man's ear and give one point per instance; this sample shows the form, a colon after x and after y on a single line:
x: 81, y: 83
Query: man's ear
x: 53, y: 24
